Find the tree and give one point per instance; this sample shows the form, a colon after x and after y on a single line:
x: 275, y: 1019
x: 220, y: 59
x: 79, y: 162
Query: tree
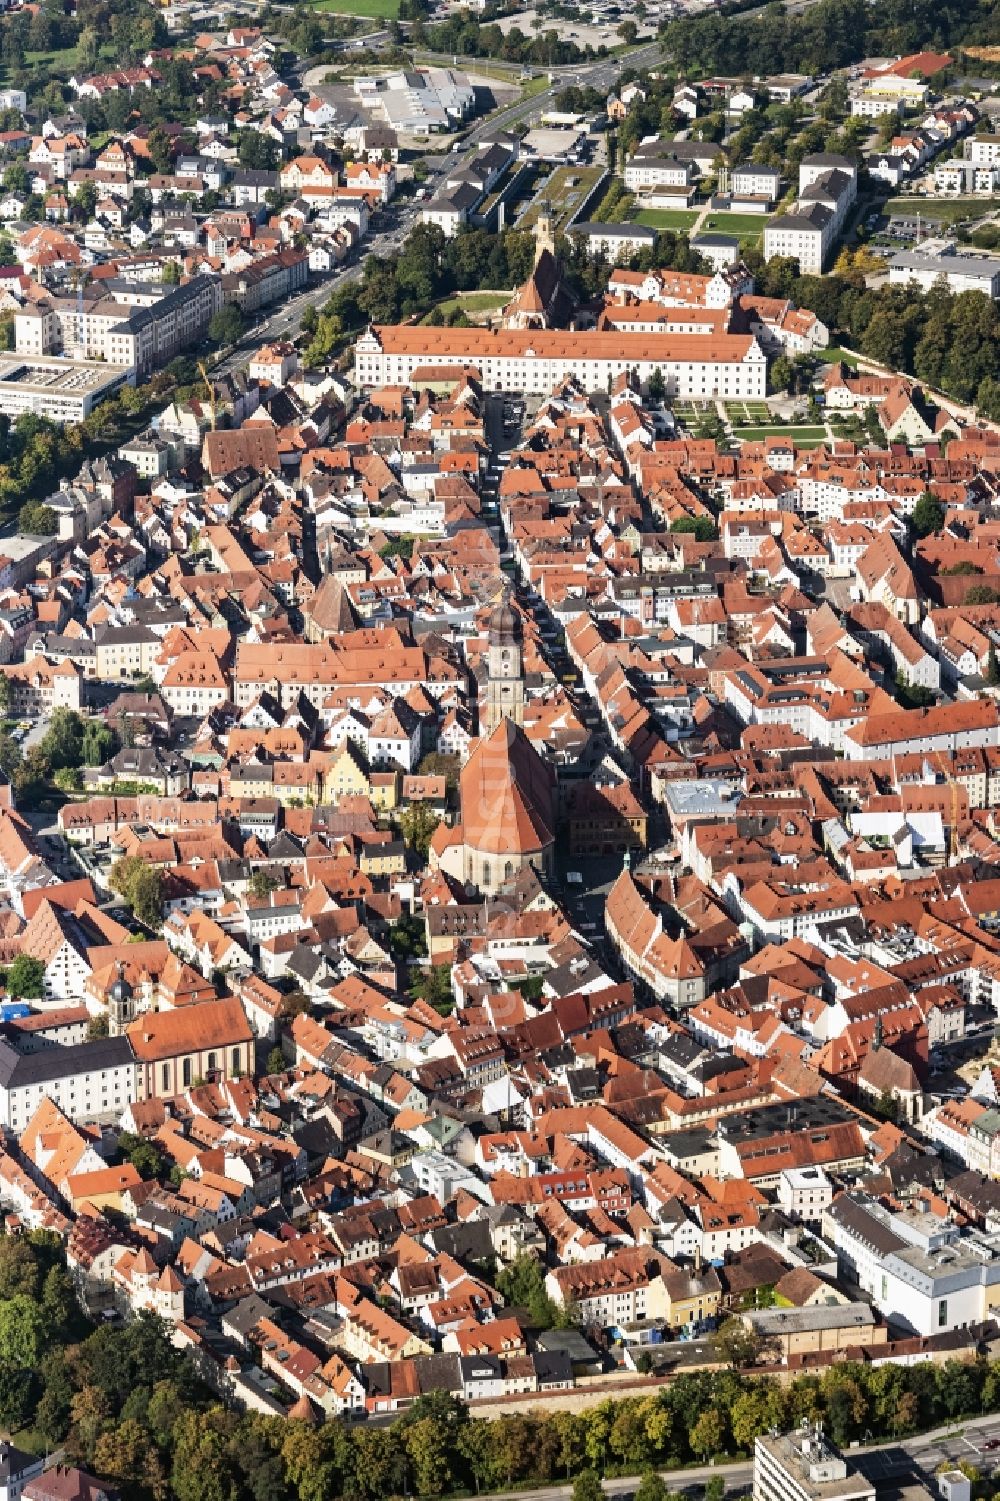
x: 651, y: 1487
x: 4, y: 694
x: 433, y: 985
x: 88, y: 49
x: 417, y: 824
x: 68, y: 779
x: 981, y: 594
x: 736, y: 1345
x: 141, y: 886
x: 708, y: 1433
x: 438, y: 764
x: 98, y: 743
x: 429, y: 1447
x: 227, y: 325
x: 122, y: 1451
x: 656, y: 386
x: 257, y: 151
x: 26, y: 978
x: 261, y: 884
x: 22, y: 1333
x: 587, y: 1487
x: 202, y: 1466
x: 928, y: 515
x: 37, y: 520
x: 145, y: 1156
x: 275, y: 1062
x: 19, y: 1271
x: 781, y: 373
x: 522, y: 1284
x: 702, y: 528
x: 160, y: 151
x: 58, y: 1300
x: 63, y: 740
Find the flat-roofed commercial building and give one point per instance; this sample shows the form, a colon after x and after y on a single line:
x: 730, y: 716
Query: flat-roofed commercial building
x: 63, y: 390
x: 804, y: 1466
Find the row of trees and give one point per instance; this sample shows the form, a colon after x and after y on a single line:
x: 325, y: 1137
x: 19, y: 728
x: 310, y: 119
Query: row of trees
x: 124, y: 1403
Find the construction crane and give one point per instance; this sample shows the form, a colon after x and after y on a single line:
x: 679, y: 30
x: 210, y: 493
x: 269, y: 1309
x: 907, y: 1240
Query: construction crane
x: 210, y: 389
x: 955, y: 786
x: 78, y: 280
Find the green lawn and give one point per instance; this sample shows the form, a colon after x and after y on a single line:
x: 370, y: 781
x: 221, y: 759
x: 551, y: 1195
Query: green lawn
x: 666, y: 218
x: 744, y: 226
x: 475, y: 302
x: 755, y: 434
x: 835, y: 355
x: 939, y: 208
x: 374, y: 10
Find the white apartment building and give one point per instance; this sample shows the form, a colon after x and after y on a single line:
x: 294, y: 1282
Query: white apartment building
x: 135, y: 326
x: 983, y: 150
x: 649, y: 172
x: 828, y: 187
x: 804, y: 1192
x: 754, y: 181
x: 869, y: 104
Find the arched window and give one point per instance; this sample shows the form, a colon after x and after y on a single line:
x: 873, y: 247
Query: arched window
x: 212, y: 1063
x: 186, y: 1073
x: 237, y: 1061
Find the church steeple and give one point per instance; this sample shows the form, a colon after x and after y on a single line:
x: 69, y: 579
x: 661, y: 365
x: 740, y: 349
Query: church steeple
x: 545, y: 240
x: 121, y: 1004
x: 505, y: 666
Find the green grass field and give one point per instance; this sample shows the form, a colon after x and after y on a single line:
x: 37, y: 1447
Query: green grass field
x: 371, y: 10
x: 835, y: 355
x: 803, y: 434
x: 666, y: 218
x: 939, y: 208
x: 474, y: 302
x: 744, y: 226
